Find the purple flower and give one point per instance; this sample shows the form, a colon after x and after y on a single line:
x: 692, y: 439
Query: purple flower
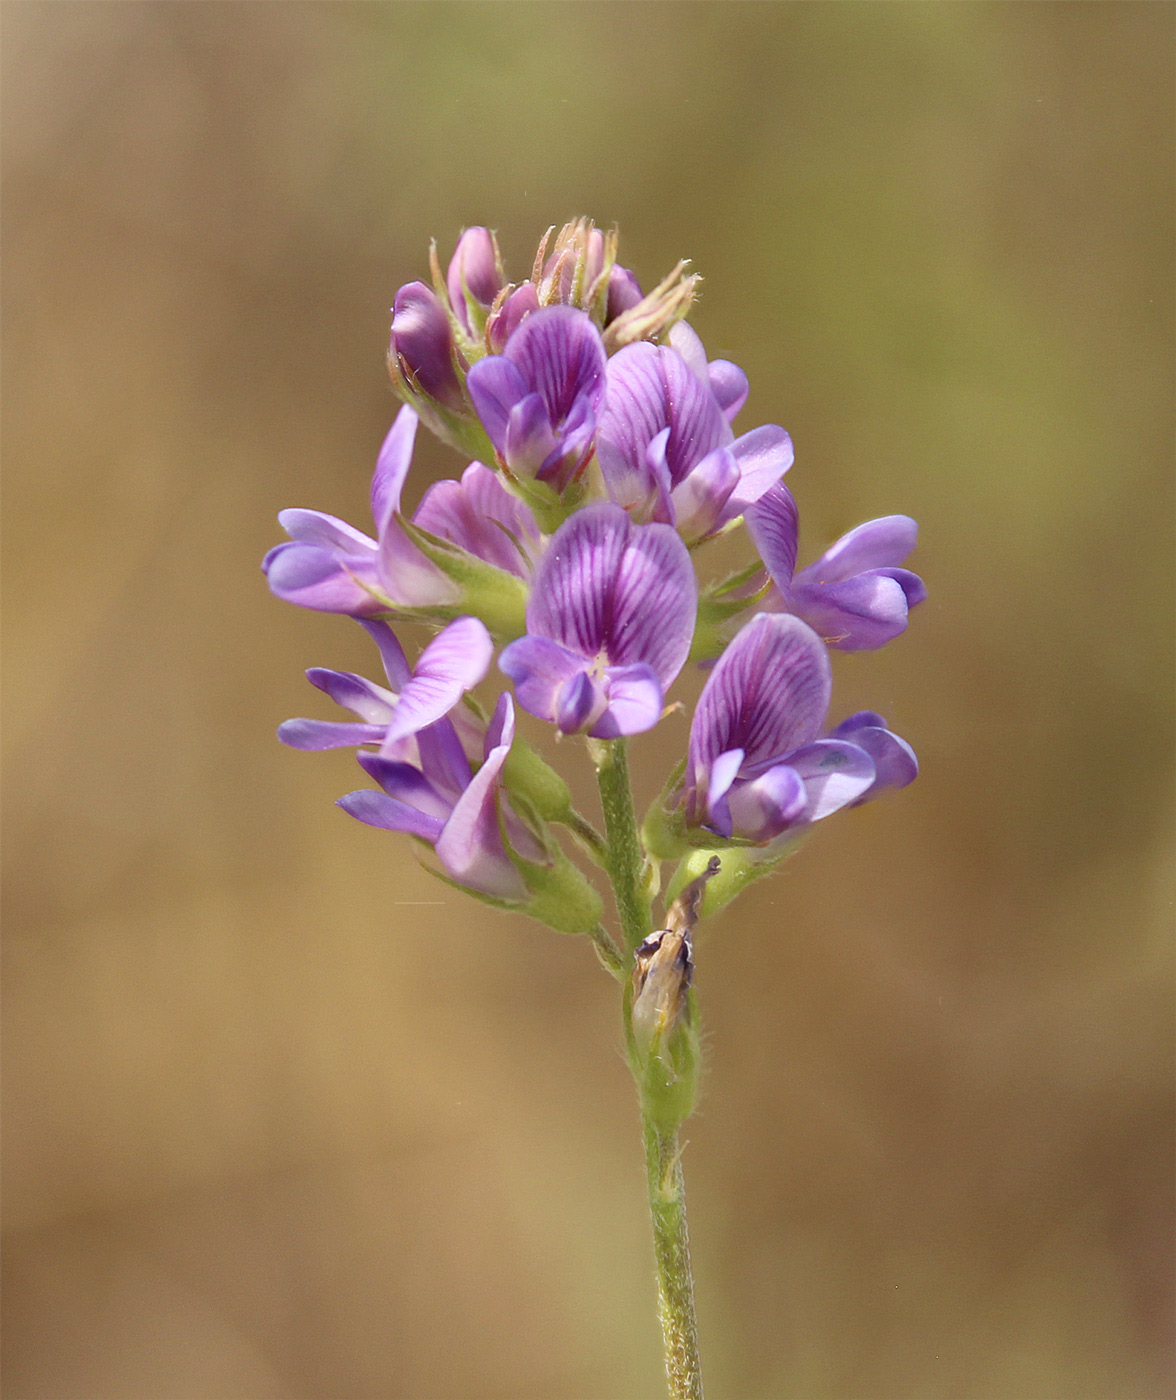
x: 332, y: 567
x: 756, y: 766
x: 609, y: 625
x: 855, y: 595
x: 421, y: 346
x: 415, y: 702
x: 538, y: 399
x: 665, y: 443
x: 474, y: 277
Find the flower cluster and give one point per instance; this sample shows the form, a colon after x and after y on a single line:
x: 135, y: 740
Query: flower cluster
x: 605, y: 458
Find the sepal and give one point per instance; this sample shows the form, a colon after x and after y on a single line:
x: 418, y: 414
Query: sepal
x: 561, y: 897
x: 528, y: 776
x: 721, y: 601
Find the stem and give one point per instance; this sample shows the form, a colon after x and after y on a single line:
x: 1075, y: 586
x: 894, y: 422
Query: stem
x: 608, y: 953
x: 671, y: 1246
x: 589, y: 839
x: 623, y: 860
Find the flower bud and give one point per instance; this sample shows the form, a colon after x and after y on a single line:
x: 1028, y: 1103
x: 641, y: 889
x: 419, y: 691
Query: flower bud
x: 474, y: 278
x: 422, y: 345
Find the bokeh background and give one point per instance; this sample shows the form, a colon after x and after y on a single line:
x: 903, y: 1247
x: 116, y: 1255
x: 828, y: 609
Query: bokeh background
x: 285, y: 1118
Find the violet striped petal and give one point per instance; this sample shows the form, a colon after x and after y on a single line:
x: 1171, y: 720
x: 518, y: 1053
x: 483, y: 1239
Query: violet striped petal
x: 372, y: 703
x: 392, y: 465
x: 378, y: 809
x: 314, y: 735
x: 773, y: 523
x: 481, y: 516
x: 834, y: 772
x: 559, y: 353
x: 540, y: 668
x: 406, y: 783
x: 634, y: 697
x: 453, y: 662
x: 764, y: 455
x: 396, y: 666
x: 471, y: 847
x: 495, y: 386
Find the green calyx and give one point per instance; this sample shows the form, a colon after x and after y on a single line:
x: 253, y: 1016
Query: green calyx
x: 495, y: 597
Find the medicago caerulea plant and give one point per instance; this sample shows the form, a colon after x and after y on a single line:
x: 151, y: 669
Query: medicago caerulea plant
x: 564, y: 560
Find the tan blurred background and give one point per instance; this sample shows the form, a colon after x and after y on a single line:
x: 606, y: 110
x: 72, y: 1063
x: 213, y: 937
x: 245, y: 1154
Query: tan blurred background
x: 285, y: 1118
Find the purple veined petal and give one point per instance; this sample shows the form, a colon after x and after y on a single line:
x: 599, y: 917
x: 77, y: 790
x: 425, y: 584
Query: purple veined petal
x: 878, y: 544
x: 506, y: 320
x: 764, y: 455
x: 688, y: 343
x: 638, y: 484
x: 406, y: 783
x: 326, y: 531
x: 501, y: 729
x: 481, y: 516
x: 315, y: 735
x: 453, y: 662
x: 895, y: 764
x: 372, y: 703
x: 712, y: 806
x: 529, y: 438
x: 422, y: 341
x: 624, y: 292
x: 443, y: 757
x: 392, y: 464
x: 608, y: 586
x: 378, y: 809
x: 834, y: 772
x: 773, y: 523
x: 768, y: 693
x: 729, y: 385
x: 495, y: 386
x: 471, y: 847
x: 580, y: 703
x: 859, y: 614
x: 396, y: 666
x: 765, y: 806
x: 699, y: 498
x: 540, y: 668
x: 473, y: 269
x: 659, y: 506
x: 559, y: 353
x: 634, y: 702
x: 318, y: 578
x: 574, y: 447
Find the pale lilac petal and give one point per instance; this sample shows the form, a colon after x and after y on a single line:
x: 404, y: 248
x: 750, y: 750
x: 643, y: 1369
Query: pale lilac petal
x: 406, y: 783
x: 895, y: 764
x: 834, y: 772
x: 717, y: 810
x: 480, y: 514
x: 540, y: 669
x: 580, y: 703
x: 877, y: 544
x: 392, y: 464
x: 859, y: 614
x: 320, y: 579
x: 688, y: 343
x: 407, y: 577
x: 396, y: 666
x: 768, y: 692
x: 473, y: 269
x: 729, y: 385
x: 634, y: 702
x: 773, y: 523
x: 529, y: 439
x: 764, y: 455
x: 699, y: 498
x: 495, y: 386
x: 372, y: 703
x: 767, y: 805
x: 560, y: 354
x: 326, y: 531
x: 454, y: 662
x: 378, y: 809
x: 471, y: 847
x: 314, y: 735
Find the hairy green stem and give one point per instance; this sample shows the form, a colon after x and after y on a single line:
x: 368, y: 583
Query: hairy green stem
x: 671, y: 1246
x: 587, y: 837
x: 608, y: 953
x: 624, y: 860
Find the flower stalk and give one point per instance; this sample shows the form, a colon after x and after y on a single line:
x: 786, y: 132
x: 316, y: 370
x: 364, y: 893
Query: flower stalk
x: 671, y: 1247
x: 624, y: 861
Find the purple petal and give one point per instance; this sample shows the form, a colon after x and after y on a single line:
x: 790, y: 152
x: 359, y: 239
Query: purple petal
x: 699, y: 498
x: 688, y: 343
x: 422, y: 341
x: 729, y: 385
x: 473, y: 269
x: 573, y: 448
x: 768, y: 692
x: 834, y: 772
x: 767, y: 805
x: 773, y: 523
x: 559, y: 354
x: 580, y: 703
x: 320, y: 579
x: 471, y: 848
x: 529, y: 438
x: 406, y: 783
x: 480, y: 515
x: 378, y: 809
x: 895, y: 764
x: 506, y: 320
x: 606, y: 586
x: 453, y: 662
x: 862, y: 719
x: 717, y: 813
x: 396, y: 666
x: 877, y: 544
x: 764, y: 455
x: 624, y: 292
x: 314, y: 735
x: 443, y: 758
x: 371, y: 702
x: 501, y: 729
x: 540, y: 669
x: 392, y: 464
x: 326, y: 531
x: 634, y: 702
x: 860, y: 614
x: 495, y: 386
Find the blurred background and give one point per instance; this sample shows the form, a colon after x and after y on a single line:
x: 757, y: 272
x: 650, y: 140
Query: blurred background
x: 286, y: 1118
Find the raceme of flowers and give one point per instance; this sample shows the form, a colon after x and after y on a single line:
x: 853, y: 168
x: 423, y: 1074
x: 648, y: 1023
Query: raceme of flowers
x: 567, y: 562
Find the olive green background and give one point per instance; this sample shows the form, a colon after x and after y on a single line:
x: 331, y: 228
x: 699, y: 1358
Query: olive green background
x: 286, y: 1118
